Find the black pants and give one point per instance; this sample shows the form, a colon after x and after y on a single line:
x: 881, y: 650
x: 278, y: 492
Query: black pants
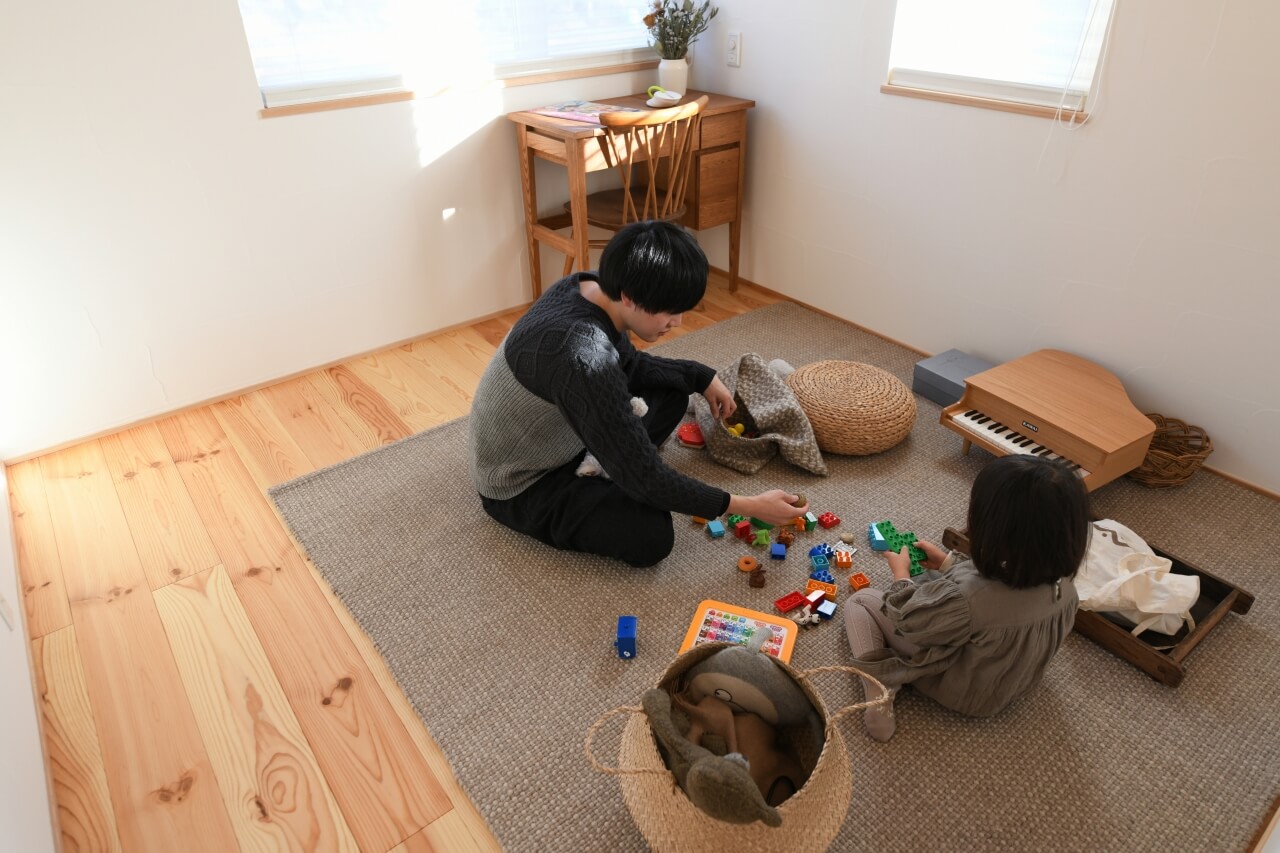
x: 592, y: 514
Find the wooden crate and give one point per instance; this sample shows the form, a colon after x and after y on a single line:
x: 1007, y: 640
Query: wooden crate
x: 1160, y: 656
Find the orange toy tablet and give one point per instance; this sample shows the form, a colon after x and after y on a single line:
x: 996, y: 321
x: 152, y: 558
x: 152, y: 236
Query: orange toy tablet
x: 715, y: 621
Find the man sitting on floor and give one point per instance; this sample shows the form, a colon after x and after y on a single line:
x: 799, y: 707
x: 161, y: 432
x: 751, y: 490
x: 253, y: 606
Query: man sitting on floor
x: 562, y: 385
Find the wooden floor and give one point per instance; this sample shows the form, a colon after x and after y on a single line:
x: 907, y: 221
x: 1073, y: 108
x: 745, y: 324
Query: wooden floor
x: 231, y: 703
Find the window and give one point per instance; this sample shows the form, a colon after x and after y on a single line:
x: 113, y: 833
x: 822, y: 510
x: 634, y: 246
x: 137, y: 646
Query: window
x: 314, y: 50
x: 1043, y: 55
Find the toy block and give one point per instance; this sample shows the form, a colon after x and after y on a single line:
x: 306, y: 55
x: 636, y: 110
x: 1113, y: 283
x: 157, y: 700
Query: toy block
x: 755, y: 522
x: 828, y: 520
x: 828, y: 590
x: 826, y: 609
x: 761, y: 538
x: 858, y: 580
x: 742, y: 529
x: 820, y: 563
x: 810, y: 521
x: 748, y: 564
x: 822, y: 548
x: 785, y: 536
x: 690, y: 435
x: 778, y: 551
x: 789, y: 602
x: 626, y: 641
x: 815, y: 596
x: 876, y: 538
x: 715, y: 528
x: 697, y: 519
x: 734, y: 519
x: 844, y: 560
x: 822, y: 575
x: 756, y: 579
x: 798, y: 524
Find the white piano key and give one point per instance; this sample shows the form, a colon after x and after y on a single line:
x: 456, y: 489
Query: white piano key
x: 1009, y: 441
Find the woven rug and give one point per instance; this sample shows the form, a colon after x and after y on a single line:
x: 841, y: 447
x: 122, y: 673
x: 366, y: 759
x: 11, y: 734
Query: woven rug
x: 505, y: 646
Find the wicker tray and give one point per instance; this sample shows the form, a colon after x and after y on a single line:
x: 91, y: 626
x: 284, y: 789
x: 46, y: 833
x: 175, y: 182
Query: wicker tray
x: 1177, y: 451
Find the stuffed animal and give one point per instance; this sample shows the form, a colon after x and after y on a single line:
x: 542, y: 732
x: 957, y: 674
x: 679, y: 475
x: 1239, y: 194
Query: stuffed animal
x: 720, y: 786
x: 751, y: 681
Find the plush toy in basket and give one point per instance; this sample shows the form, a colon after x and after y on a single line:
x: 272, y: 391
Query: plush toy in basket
x: 756, y: 761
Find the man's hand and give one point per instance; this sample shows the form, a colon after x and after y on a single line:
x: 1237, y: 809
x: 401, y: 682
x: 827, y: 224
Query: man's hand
x: 720, y: 399
x: 774, y: 506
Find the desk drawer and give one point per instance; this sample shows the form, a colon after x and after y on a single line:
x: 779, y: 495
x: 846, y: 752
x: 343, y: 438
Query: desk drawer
x: 716, y: 190
x: 727, y: 129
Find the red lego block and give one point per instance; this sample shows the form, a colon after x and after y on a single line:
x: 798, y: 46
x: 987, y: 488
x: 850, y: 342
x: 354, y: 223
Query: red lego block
x: 743, y: 530
x: 789, y: 602
x: 858, y: 580
x: 828, y: 520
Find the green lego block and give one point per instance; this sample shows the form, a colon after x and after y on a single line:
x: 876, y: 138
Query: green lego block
x: 762, y: 537
x: 810, y: 521
x: 735, y: 518
x: 897, y: 541
x: 757, y: 523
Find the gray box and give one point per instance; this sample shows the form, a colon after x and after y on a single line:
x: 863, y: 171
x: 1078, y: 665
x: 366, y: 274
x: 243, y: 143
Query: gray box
x: 941, y: 377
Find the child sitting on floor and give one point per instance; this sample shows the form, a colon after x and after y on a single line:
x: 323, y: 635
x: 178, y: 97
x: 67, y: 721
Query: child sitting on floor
x: 976, y: 635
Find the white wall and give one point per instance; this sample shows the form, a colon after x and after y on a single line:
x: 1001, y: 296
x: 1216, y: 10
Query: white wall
x: 26, y: 822
x: 160, y: 244
x: 1146, y: 241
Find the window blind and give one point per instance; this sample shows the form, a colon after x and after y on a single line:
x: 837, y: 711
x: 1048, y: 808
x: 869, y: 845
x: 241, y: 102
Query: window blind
x: 310, y: 50
x: 1042, y: 52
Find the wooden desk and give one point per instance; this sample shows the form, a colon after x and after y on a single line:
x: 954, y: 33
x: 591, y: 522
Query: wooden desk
x: 715, y: 188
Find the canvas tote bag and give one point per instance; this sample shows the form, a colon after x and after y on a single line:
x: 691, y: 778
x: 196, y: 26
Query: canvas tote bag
x: 1121, y: 575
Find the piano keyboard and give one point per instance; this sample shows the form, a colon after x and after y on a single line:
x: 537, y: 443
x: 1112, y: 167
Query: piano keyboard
x: 996, y: 434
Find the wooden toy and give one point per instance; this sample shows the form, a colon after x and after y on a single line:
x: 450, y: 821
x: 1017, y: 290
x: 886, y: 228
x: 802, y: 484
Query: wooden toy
x: 690, y: 435
x: 717, y: 622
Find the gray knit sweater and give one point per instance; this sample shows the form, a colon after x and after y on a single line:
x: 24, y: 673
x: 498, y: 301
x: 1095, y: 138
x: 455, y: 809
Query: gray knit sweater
x: 563, y: 379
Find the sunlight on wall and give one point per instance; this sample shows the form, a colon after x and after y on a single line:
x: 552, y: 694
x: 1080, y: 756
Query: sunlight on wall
x: 456, y: 89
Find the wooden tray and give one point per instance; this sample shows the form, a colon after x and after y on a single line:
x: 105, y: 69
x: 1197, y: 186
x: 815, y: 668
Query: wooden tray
x: 1160, y: 656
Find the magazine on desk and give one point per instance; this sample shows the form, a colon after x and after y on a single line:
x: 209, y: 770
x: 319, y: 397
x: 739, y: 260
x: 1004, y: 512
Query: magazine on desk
x: 582, y: 110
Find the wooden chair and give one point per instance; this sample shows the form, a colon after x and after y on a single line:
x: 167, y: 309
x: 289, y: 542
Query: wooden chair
x: 653, y: 153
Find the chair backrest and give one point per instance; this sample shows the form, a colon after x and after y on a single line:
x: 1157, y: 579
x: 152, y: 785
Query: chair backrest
x: 654, y: 154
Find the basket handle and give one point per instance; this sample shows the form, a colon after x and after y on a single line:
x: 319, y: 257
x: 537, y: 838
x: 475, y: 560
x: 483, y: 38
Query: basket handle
x: 616, y: 771
x: 885, y: 699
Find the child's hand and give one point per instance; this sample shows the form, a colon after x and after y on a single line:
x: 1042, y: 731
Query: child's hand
x: 933, y: 554
x: 899, y: 563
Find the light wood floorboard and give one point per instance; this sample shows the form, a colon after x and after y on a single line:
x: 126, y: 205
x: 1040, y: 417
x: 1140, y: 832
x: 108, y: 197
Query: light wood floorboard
x: 201, y: 686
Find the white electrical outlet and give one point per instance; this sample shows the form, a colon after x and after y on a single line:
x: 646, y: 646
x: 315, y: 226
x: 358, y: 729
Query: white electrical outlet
x: 733, y: 55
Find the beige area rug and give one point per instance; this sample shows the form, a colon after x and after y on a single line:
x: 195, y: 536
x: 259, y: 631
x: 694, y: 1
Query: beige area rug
x: 505, y: 645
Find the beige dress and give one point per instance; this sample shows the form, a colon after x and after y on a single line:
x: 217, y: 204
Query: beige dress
x: 980, y: 643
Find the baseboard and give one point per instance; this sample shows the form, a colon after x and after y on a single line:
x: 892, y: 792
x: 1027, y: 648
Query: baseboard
x: 121, y: 427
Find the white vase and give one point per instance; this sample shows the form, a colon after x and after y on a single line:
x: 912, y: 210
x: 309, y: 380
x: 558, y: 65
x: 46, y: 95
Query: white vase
x: 673, y: 75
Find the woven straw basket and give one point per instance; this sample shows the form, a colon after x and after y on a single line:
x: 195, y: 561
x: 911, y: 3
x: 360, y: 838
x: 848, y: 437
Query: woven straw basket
x: 1177, y: 451
x: 670, y: 822
x: 855, y: 409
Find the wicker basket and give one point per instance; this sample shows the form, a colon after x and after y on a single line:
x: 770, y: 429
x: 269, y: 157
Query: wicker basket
x: 855, y: 409
x: 1177, y: 451
x: 667, y: 819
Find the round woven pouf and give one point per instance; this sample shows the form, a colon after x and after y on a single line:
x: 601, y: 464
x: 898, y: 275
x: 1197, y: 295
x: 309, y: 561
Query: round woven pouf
x: 855, y: 409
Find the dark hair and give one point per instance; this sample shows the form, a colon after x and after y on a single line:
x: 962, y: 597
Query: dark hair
x: 657, y: 265
x: 1028, y: 521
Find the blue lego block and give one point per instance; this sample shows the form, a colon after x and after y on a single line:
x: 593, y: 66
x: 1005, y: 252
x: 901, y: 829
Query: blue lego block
x: 822, y: 548
x: 778, y: 551
x: 822, y: 575
x: 820, y: 562
x: 826, y: 609
x: 626, y: 642
x: 876, y: 538
x: 716, y: 528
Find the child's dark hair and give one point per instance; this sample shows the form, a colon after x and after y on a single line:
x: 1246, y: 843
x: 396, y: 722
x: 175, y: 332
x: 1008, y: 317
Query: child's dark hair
x: 1028, y: 521
x: 657, y: 265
